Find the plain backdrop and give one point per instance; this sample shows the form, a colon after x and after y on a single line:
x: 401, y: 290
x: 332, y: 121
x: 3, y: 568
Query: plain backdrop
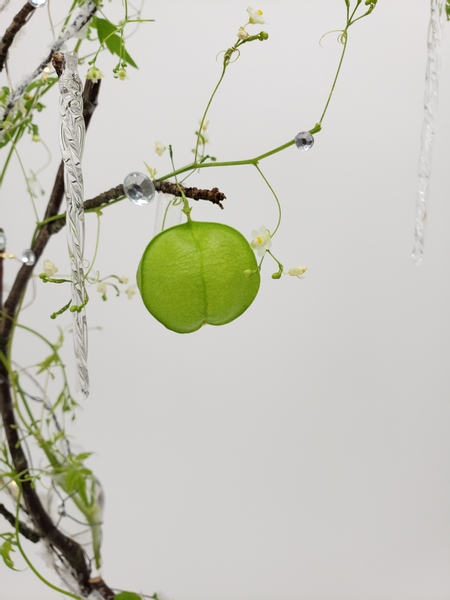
x: 301, y: 452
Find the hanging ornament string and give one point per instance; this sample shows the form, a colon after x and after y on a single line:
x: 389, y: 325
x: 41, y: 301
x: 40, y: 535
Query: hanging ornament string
x: 435, y: 32
x: 72, y: 133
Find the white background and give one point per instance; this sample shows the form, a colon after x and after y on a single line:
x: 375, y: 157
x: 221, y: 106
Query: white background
x: 301, y: 452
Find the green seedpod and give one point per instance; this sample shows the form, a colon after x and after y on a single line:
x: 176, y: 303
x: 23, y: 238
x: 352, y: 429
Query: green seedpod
x: 193, y: 274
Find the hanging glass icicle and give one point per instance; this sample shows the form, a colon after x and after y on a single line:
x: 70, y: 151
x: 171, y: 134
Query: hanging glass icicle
x: 72, y: 132
x: 435, y: 31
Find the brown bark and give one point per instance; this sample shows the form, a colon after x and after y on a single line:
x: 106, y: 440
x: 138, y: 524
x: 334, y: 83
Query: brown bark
x: 18, y: 22
x: 167, y: 187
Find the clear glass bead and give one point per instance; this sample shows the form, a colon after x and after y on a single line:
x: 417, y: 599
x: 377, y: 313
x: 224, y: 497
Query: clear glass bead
x: 28, y: 258
x: 2, y: 241
x: 139, y: 188
x: 304, y: 140
x: 37, y: 3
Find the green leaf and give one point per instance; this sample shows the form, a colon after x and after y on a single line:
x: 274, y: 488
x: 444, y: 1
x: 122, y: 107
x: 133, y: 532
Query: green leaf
x: 50, y: 81
x: 75, y: 482
x: 48, y: 362
x: 115, y: 46
x: 104, y: 28
x: 127, y: 596
x: 5, y: 552
x: 83, y: 455
x: 108, y: 36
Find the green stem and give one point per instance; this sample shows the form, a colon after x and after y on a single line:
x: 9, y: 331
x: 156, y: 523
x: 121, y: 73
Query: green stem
x: 29, y: 190
x: 206, y: 111
x: 232, y: 163
x: 336, y: 76
x: 276, y: 198
x: 10, y: 153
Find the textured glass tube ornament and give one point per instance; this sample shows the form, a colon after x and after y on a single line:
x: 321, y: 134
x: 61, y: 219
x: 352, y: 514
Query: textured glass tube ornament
x: 139, y: 188
x: 72, y: 132
x: 304, y: 140
x: 435, y: 32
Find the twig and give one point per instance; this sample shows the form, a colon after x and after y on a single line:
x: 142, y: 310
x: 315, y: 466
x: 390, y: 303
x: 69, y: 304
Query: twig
x: 23, y: 529
x: 18, y: 22
x: 100, y: 587
x: 166, y: 187
x: 213, y: 195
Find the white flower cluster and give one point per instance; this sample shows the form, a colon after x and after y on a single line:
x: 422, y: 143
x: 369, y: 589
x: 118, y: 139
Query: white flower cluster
x: 255, y: 17
x: 262, y: 242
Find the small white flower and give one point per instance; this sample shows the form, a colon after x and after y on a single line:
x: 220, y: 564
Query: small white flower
x: 205, y: 124
x: 159, y: 148
x: 101, y: 287
x: 130, y: 291
x: 298, y: 271
x: 94, y: 74
x: 242, y: 34
x: 121, y: 74
x: 255, y: 16
x: 50, y: 268
x: 261, y: 240
x: 123, y: 279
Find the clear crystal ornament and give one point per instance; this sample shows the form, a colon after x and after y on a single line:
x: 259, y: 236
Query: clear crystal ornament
x: 304, y: 140
x: 139, y: 188
x: 28, y: 258
x: 37, y: 3
x: 435, y: 34
x: 71, y: 138
x: 2, y: 241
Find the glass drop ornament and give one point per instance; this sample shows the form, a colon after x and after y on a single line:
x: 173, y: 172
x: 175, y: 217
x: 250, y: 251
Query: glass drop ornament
x: 2, y: 241
x: 28, y: 258
x: 139, y: 188
x: 37, y: 3
x: 304, y: 140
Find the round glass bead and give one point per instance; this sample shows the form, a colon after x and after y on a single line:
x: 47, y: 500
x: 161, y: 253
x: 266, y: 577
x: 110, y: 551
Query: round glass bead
x: 37, y: 3
x: 28, y: 258
x: 304, y: 140
x: 139, y: 188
